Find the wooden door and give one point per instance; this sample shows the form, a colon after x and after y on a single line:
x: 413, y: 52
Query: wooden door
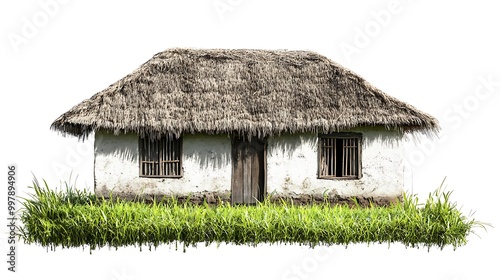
x: 248, y: 178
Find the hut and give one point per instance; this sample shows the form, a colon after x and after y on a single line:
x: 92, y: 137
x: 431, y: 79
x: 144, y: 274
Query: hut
x: 241, y: 124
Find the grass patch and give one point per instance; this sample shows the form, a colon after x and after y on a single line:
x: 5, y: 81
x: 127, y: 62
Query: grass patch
x: 74, y: 218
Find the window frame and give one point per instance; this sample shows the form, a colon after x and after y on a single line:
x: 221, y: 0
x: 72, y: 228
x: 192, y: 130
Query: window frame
x: 176, y: 143
x: 341, y: 135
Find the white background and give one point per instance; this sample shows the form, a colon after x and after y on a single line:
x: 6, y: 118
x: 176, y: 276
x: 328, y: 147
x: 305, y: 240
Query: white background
x: 443, y: 58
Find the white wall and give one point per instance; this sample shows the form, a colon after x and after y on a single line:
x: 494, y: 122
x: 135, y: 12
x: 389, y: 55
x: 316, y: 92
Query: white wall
x: 206, y: 164
x: 291, y: 166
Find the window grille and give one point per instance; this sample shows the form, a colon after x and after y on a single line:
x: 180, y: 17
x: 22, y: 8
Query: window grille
x: 340, y: 156
x: 160, y: 158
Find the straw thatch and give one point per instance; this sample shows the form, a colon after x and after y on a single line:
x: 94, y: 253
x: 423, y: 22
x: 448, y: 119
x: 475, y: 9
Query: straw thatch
x: 250, y: 92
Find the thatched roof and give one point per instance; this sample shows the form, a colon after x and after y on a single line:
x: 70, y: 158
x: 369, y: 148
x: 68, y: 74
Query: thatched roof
x: 251, y: 92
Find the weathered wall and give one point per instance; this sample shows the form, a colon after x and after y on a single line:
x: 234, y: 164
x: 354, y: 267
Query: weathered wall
x: 291, y: 166
x: 206, y: 164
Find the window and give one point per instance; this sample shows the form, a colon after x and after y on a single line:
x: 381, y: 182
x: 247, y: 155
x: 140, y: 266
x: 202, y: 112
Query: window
x: 160, y: 158
x: 339, y: 156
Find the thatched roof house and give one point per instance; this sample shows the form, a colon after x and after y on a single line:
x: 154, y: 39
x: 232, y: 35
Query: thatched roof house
x: 282, y: 99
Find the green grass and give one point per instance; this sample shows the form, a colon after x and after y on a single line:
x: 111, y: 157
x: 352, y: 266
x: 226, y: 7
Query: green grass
x: 74, y: 218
